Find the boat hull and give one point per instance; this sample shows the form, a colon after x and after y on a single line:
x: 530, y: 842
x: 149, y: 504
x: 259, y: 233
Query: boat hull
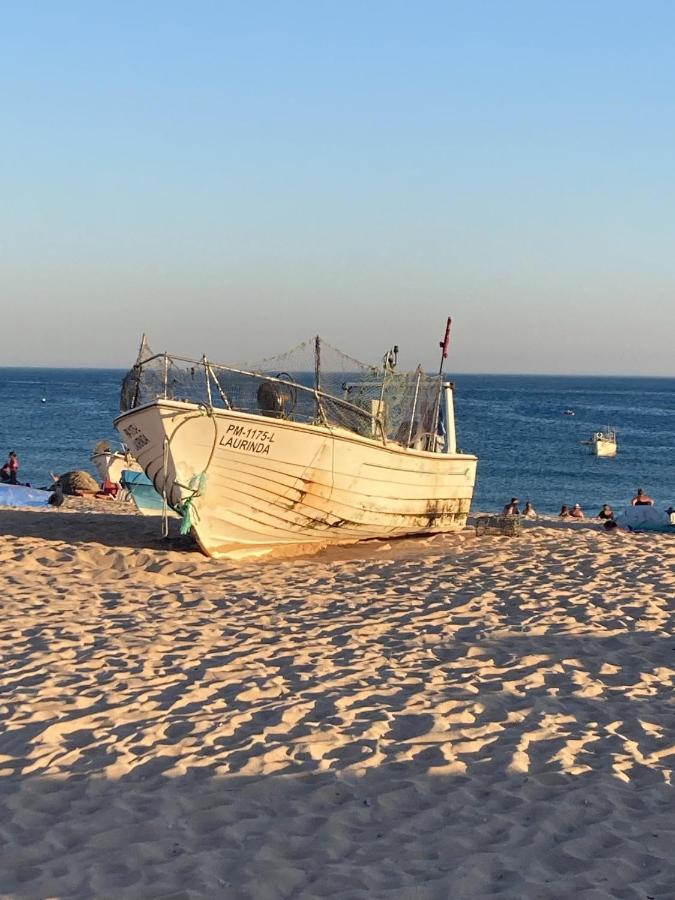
x: 253, y: 485
x: 604, y: 448
x: 142, y: 492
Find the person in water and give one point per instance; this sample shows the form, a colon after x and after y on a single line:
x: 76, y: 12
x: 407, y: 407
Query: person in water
x: 564, y: 511
x: 577, y: 512
x: 641, y: 499
x: 512, y: 509
x: 606, y: 512
x: 529, y: 512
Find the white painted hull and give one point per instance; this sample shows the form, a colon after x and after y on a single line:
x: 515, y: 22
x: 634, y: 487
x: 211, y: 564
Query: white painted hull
x: 605, y: 448
x: 271, y: 484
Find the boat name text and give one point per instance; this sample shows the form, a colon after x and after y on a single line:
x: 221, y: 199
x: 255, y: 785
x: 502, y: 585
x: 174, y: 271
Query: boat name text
x: 136, y: 437
x: 254, y: 440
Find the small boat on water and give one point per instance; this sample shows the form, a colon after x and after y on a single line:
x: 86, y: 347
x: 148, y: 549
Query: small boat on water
x: 307, y: 449
x: 603, y: 443
x: 569, y: 412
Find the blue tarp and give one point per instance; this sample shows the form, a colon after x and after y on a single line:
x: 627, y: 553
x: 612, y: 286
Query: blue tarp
x: 645, y: 518
x: 18, y: 495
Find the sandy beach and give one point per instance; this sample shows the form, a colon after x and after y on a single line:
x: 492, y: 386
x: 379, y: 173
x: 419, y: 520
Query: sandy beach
x: 455, y: 716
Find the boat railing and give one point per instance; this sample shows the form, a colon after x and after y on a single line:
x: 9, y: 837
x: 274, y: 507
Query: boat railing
x: 280, y: 396
x: 388, y: 406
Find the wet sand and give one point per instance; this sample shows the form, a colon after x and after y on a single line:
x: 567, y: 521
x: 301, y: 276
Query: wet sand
x: 444, y: 717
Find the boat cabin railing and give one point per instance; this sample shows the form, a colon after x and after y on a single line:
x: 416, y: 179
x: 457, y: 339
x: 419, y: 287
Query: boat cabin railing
x: 391, y: 407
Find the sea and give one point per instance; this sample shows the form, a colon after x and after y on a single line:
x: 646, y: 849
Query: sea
x: 516, y: 425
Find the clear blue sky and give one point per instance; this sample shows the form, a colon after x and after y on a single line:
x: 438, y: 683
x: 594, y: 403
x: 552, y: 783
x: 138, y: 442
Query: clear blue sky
x: 234, y: 177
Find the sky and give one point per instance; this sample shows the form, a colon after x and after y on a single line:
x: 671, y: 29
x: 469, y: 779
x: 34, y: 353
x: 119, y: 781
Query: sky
x: 232, y: 178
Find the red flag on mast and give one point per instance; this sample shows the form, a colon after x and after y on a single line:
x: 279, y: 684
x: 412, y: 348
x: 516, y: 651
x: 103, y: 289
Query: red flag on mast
x: 444, y: 344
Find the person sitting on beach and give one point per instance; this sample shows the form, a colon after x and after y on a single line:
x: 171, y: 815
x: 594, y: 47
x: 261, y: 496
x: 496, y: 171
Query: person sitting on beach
x: 564, y: 512
x: 529, y: 512
x: 577, y: 512
x: 9, y: 471
x: 606, y: 512
x: 641, y: 499
x: 511, y: 509
x: 671, y: 515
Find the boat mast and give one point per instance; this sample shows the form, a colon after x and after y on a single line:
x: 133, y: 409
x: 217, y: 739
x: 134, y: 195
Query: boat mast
x: 444, y: 344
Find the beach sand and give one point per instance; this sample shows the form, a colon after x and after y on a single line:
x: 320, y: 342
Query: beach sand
x: 449, y: 717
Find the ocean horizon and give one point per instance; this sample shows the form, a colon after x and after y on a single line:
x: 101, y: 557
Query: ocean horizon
x: 515, y: 424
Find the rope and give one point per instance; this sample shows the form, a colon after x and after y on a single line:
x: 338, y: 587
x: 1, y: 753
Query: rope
x: 165, y: 473
x: 197, y: 483
x: 186, y: 507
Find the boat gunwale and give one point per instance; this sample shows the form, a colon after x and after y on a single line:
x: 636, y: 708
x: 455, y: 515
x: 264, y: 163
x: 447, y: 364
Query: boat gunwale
x: 326, y: 430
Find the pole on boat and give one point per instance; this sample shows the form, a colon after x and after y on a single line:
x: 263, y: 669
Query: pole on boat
x: 414, y: 406
x: 207, y: 376
x: 317, y: 377
x: 138, y: 370
x: 444, y: 344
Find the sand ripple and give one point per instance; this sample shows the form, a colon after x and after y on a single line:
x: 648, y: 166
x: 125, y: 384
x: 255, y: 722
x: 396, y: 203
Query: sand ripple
x: 449, y: 717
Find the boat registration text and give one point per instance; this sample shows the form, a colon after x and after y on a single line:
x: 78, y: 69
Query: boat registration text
x: 254, y: 440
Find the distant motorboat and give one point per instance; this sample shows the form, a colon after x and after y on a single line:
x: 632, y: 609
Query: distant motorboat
x: 603, y: 443
x: 569, y: 412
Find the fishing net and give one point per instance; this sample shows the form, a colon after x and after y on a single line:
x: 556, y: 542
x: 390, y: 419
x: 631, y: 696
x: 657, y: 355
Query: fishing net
x: 77, y: 482
x: 136, y: 378
x: 314, y: 382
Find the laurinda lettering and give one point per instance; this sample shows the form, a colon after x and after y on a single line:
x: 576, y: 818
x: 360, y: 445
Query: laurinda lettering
x: 242, y: 444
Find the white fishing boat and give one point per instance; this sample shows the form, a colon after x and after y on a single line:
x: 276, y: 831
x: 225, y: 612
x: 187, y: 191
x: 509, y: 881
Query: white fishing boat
x: 280, y: 455
x: 603, y: 443
x: 110, y: 461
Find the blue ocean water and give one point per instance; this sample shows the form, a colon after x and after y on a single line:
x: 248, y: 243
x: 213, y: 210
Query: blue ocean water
x: 528, y: 448
x: 516, y: 425
x: 59, y: 434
